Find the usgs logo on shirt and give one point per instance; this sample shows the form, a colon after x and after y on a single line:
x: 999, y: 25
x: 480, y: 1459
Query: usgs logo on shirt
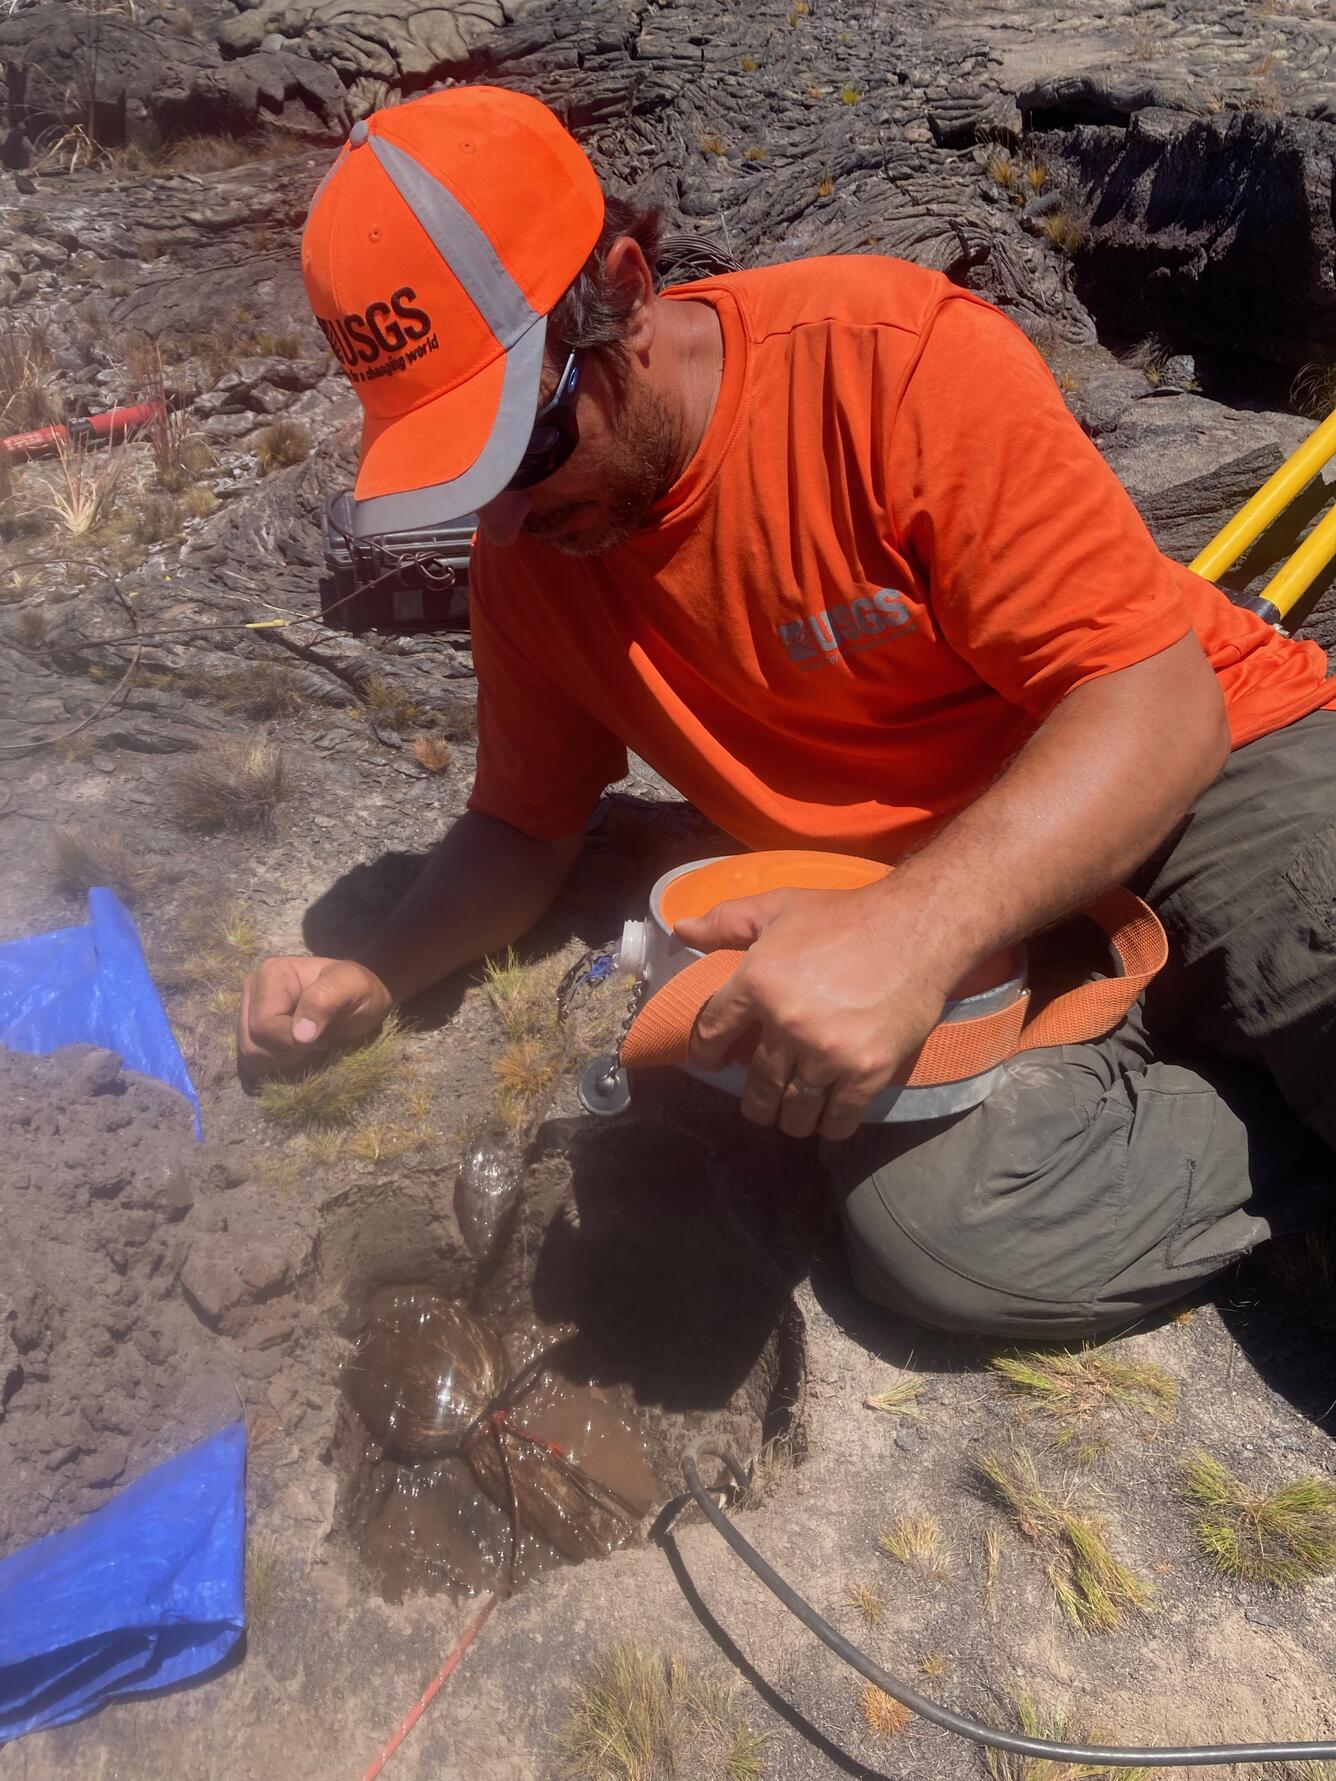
x: 866, y: 622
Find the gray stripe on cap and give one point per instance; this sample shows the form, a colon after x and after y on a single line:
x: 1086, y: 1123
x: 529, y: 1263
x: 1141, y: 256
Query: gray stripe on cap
x: 460, y: 242
x: 489, y: 472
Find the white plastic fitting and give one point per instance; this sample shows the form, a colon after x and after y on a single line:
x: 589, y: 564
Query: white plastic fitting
x: 632, y: 954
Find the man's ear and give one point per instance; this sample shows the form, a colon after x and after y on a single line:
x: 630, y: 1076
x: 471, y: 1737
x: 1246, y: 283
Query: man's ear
x: 627, y: 269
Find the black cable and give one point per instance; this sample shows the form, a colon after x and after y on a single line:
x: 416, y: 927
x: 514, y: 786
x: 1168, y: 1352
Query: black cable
x: 1175, y: 1756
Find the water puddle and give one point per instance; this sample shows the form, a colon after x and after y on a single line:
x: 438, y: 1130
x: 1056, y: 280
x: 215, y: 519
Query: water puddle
x: 480, y: 1456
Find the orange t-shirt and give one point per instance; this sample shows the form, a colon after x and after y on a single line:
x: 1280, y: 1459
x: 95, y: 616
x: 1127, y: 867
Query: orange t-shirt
x: 891, y: 556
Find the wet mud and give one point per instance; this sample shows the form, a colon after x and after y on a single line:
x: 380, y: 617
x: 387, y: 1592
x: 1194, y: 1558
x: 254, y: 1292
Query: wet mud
x: 473, y: 1473
x: 628, y: 1317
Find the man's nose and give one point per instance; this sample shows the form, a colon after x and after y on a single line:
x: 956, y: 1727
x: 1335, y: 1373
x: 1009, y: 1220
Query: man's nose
x: 502, y: 518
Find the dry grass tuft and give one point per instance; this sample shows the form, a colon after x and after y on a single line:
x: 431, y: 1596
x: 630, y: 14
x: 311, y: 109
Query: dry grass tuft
x: 237, y: 785
x: 432, y: 753
x: 825, y: 187
x: 281, y: 445
x: 1313, y: 391
x: 1059, y: 1728
x: 933, y: 1665
x: 264, y: 689
x: 1002, y: 170
x: 992, y: 1552
x: 1303, y: 1267
x: 340, y: 1091
x: 79, y: 496
x: 213, y: 945
x: 200, y: 152
x: 642, y: 1717
x: 96, y: 855
x: 525, y: 1074
x: 850, y: 95
x: 916, y: 1541
x: 1079, y: 1390
x: 1094, y: 1589
x: 264, y: 1575
x: 180, y: 452
x: 898, y: 1400
x: 30, y: 625
x: 1286, y: 1539
x: 1035, y: 175
x: 260, y: 689
x: 1065, y: 230
x: 380, y: 1137
x: 524, y: 996
x: 29, y: 392
x: 388, y: 707
x: 867, y: 1602
x: 885, y: 1716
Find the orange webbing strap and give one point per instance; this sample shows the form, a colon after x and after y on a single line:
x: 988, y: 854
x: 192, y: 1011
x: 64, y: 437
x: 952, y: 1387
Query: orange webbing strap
x: 661, y: 1032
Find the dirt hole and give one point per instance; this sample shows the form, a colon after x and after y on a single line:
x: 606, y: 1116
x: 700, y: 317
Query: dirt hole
x: 544, y: 1409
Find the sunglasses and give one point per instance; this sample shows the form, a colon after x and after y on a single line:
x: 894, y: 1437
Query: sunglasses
x: 555, y: 433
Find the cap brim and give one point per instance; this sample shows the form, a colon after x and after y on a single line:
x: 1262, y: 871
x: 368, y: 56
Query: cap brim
x: 467, y: 442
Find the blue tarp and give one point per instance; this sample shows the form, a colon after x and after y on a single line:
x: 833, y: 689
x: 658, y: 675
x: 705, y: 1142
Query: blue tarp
x: 146, y: 1592
x: 91, y: 986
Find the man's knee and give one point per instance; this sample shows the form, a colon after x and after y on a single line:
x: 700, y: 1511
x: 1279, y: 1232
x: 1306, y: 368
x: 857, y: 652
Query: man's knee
x: 1071, y: 1202
x: 893, y: 1269
x: 940, y: 1286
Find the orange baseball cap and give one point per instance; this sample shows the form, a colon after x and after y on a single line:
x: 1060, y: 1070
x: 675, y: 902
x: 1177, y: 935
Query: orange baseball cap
x: 435, y: 248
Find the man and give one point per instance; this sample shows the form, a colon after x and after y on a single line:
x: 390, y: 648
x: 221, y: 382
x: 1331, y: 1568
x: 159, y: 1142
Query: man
x: 821, y: 543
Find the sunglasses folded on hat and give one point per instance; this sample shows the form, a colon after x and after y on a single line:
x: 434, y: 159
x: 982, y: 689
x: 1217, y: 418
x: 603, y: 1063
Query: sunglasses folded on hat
x: 436, y: 246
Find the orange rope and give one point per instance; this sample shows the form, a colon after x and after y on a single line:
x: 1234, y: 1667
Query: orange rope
x: 438, y: 1680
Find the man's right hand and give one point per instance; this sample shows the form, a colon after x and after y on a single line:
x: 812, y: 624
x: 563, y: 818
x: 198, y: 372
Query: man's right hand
x: 292, y: 1009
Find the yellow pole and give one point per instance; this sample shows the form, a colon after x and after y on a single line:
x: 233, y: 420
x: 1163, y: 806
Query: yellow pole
x: 1268, y: 503
x: 1297, y: 575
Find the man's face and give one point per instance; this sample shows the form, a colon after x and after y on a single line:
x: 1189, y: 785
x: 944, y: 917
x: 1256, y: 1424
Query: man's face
x: 604, y: 491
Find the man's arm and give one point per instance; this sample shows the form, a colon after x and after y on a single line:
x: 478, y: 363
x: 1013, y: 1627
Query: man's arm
x: 846, y: 985
x: 485, y: 885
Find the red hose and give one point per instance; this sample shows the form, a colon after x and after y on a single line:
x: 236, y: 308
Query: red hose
x: 115, y: 425
x: 118, y: 422
x: 442, y: 1675
x: 28, y: 445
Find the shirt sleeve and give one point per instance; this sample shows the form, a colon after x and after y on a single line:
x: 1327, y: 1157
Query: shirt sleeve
x: 543, y: 760
x: 1040, y: 572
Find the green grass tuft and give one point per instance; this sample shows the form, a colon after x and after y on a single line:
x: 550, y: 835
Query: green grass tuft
x: 916, y: 1541
x: 1034, y: 1721
x: 1080, y: 1389
x: 641, y: 1716
x: 898, y: 1400
x: 867, y: 1602
x: 340, y: 1091
x: 1286, y: 1538
x: 1093, y: 1588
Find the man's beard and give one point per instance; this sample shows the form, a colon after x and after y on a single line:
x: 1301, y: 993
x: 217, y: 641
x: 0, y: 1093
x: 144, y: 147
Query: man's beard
x: 637, y: 471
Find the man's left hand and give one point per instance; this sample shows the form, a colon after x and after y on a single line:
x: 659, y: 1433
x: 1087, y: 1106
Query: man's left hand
x: 841, y: 990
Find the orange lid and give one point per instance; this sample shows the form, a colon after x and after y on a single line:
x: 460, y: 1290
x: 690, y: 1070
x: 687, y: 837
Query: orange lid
x: 697, y: 891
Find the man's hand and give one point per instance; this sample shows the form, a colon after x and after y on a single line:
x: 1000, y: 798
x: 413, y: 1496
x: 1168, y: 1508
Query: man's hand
x: 840, y: 996
x: 292, y: 1009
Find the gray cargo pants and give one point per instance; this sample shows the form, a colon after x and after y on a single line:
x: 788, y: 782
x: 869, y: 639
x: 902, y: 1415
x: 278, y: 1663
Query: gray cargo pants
x: 1098, y: 1181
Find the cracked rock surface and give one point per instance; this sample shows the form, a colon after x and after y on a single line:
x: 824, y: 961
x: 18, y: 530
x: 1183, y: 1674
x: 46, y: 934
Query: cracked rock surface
x: 1147, y: 189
